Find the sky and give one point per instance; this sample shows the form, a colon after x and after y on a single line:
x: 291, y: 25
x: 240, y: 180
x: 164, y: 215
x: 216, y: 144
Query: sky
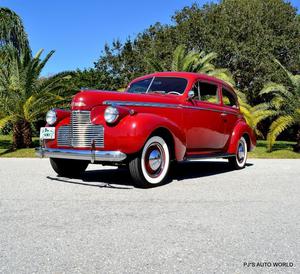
x: 78, y: 30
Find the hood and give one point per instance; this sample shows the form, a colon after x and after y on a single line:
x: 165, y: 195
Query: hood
x: 88, y: 99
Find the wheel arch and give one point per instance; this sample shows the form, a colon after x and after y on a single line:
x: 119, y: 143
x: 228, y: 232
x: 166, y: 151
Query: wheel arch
x: 166, y: 134
x: 241, y: 130
x: 148, y: 125
x: 247, y: 138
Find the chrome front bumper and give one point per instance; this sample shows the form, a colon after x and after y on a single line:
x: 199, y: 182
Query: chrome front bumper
x: 88, y: 155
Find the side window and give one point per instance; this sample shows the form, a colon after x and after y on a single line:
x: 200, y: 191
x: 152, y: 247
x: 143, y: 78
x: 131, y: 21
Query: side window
x: 196, y: 90
x: 208, y: 93
x: 228, y: 98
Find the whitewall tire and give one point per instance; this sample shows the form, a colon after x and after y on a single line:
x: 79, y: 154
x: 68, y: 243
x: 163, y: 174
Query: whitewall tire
x: 151, y: 167
x: 241, y: 154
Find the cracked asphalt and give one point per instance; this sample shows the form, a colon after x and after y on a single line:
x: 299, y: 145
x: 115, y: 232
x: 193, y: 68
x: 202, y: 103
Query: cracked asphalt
x: 208, y: 220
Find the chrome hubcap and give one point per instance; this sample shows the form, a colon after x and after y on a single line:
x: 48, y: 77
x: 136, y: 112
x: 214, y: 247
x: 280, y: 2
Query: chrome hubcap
x: 155, y: 159
x: 241, y: 152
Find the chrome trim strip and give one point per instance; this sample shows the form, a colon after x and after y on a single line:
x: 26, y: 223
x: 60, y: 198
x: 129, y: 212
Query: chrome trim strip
x: 140, y: 104
x: 88, y: 155
x: 211, y: 109
x: 162, y: 105
x: 196, y: 158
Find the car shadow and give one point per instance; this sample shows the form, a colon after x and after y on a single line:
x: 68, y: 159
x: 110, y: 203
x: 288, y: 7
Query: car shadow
x: 200, y: 169
x: 107, y: 178
x: 120, y: 178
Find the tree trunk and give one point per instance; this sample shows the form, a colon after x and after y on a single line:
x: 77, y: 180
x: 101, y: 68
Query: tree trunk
x: 18, y: 141
x: 297, y: 146
x: 27, y: 134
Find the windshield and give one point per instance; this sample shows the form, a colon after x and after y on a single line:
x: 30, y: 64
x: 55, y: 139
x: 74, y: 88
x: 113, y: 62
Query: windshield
x: 163, y: 85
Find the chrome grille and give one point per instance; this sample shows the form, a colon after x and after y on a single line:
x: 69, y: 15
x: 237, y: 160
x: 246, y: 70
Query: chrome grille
x: 64, y: 136
x: 81, y: 133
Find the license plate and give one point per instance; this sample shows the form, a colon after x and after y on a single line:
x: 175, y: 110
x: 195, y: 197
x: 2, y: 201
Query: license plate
x: 47, y: 133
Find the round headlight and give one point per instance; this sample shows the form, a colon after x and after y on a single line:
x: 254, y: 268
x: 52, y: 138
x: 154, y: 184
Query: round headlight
x: 51, y: 117
x: 111, y: 114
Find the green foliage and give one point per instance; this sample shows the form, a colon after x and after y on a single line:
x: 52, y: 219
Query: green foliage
x: 24, y: 98
x: 284, y: 101
x: 255, y: 115
x: 193, y: 61
x: 246, y: 35
x: 22, y: 94
x: 92, y: 79
x: 281, y: 150
x: 12, y: 31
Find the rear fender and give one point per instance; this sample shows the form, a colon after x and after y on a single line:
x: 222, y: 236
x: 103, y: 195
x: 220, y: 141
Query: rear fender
x: 239, y: 130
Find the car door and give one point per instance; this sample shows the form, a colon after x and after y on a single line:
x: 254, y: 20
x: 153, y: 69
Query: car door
x: 203, y: 119
x: 230, y: 111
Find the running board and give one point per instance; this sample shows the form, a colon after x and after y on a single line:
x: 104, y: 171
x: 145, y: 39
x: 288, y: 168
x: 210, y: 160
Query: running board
x: 195, y: 158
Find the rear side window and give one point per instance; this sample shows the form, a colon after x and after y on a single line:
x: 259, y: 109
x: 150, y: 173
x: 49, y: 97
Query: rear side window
x: 208, y: 93
x: 228, y: 98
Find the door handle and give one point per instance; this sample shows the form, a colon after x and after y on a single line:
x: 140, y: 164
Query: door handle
x: 223, y: 114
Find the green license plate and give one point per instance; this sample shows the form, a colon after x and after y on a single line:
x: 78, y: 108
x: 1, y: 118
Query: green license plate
x: 47, y: 133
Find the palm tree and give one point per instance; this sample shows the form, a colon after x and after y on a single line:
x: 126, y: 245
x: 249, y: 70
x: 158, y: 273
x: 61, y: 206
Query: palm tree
x: 200, y: 62
x: 24, y: 97
x: 12, y: 31
x: 254, y: 114
x: 193, y: 61
x: 285, y: 101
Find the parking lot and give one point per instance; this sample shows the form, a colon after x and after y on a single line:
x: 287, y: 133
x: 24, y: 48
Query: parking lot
x: 208, y: 220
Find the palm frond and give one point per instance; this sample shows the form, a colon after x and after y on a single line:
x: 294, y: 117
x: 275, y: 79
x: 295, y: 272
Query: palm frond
x: 189, y: 60
x: 275, y: 89
x: 278, y: 126
x: 5, y: 120
x: 208, y: 58
x: 12, y: 31
x: 178, y: 57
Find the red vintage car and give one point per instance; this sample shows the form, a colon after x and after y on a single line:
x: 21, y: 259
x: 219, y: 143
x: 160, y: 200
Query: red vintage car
x: 160, y: 118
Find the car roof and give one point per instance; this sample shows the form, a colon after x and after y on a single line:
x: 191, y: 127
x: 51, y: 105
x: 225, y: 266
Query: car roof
x: 187, y: 75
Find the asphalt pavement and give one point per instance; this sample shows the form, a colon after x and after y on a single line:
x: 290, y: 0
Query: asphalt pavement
x: 208, y: 220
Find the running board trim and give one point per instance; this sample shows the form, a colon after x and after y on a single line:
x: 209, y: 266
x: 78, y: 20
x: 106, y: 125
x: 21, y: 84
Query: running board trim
x: 195, y: 158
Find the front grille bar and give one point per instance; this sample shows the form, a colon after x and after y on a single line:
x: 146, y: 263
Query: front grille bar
x: 81, y: 133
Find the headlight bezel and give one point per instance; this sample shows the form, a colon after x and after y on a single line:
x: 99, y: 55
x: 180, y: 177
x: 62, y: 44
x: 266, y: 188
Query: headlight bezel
x: 51, y: 117
x: 111, y: 114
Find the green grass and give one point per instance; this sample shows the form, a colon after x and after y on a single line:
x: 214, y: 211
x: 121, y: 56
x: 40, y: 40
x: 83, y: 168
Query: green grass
x: 281, y: 150
x: 6, y: 148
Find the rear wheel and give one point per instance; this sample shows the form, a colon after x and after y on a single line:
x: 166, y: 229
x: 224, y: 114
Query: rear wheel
x: 69, y: 168
x: 150, y: 168
x: 240, y: 158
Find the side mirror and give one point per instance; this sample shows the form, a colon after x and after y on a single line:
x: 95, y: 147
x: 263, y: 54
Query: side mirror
x: 191, y: 95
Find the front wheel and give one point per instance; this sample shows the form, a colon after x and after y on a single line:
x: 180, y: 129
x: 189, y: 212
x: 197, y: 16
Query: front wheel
x: 150, y: 168
x: 239, y: 160
x: 68, y: 168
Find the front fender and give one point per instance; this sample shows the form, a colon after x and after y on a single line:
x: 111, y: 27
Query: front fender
x: 131, y: 132
x: 147, y: 123
x: 240, y: 129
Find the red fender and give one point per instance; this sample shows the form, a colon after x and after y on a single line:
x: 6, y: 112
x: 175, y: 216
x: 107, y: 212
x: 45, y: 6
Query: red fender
x: 240, y: 129
x: 133, y: 130
x: 147, y: 123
